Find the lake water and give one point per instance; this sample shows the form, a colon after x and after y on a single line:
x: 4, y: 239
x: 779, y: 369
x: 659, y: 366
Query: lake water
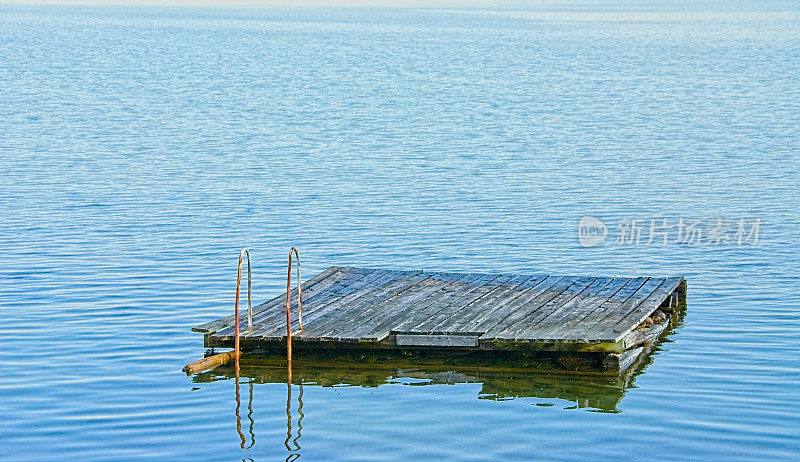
x: 141, y: 148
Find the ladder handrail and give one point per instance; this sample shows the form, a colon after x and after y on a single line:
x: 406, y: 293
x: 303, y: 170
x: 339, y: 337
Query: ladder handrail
x: 243, y: 252
x: 294, y: 251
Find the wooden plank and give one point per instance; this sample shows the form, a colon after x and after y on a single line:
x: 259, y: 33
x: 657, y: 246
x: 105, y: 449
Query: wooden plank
x: 311, y: 297
x: 639, y: 313
x: 529, y: 328
x: 578, y: 330
x: 333, y: 306
x: 459, y: 303
x: 348, y: 309
x: 510, y: 300
x: 467, y: 317
x: 612, y: 317
x: 527, y: 304
x: 586, y: 308
x: 311, y: 284
x: 437, y: 340
x: 629, y: 358
x: 406, y: 300
x: 465, y: 286
x: 619, y: 363
x: 405, y: 317
x: 638, y: 337
x: 376, y: 325
x: 357, y: 292
x: 214, y: 326
x: 319, y: 295
x: 569, y: 310
x: 540, y: 307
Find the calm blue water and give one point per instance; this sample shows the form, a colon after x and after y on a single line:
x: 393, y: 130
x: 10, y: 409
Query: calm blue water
x: 140, y: 149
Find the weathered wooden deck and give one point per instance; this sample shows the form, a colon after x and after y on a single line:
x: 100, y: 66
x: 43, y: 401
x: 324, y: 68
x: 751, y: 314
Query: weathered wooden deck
x: 349, y: 307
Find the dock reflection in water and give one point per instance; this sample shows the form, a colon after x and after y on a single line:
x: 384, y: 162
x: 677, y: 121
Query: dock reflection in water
x: 292, y: 438
x: 499, y: 381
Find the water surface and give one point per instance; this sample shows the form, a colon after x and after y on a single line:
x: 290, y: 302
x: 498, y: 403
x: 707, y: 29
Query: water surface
x: 141, y: 148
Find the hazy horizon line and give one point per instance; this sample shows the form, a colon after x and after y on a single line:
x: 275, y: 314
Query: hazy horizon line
x: 284, y: 3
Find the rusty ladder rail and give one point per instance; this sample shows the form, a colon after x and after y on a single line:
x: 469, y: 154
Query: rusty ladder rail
x: 244, y: 252
x: 293, y: 251
x: 213, y: 361
x: 222, y: 358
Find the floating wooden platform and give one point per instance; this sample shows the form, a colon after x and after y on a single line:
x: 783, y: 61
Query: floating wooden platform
x: 363, y: 308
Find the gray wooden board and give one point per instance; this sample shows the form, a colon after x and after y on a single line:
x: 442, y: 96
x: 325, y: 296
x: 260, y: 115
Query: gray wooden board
x: 369, y: 289
x: 312, y: 297
x: 437, y: 340
x: 338, y: 302
x: 644, y: 335
x: 471, y: 309
x: 612, y: 317
x: 467, y: 285
x: 340, y: 278
x: 408, y: 298
x: 381, y: 322
x: 350, y: 310
x: 577, y: 331
x: 502, y: 302
x: 349, y: 304
x: 525, y: 304
x: 214, y: 326
x: 531, y: 310
x: 641, y: 311
x: 528, y: 331
x: 312, y: 304
x: 459, y: 303
x: 463, y: 319
x: 363, y: 306
x: 586, y: 308
x: 566, y: 311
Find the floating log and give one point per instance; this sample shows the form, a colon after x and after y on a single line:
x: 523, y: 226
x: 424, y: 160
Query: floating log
x: 209, y: 362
